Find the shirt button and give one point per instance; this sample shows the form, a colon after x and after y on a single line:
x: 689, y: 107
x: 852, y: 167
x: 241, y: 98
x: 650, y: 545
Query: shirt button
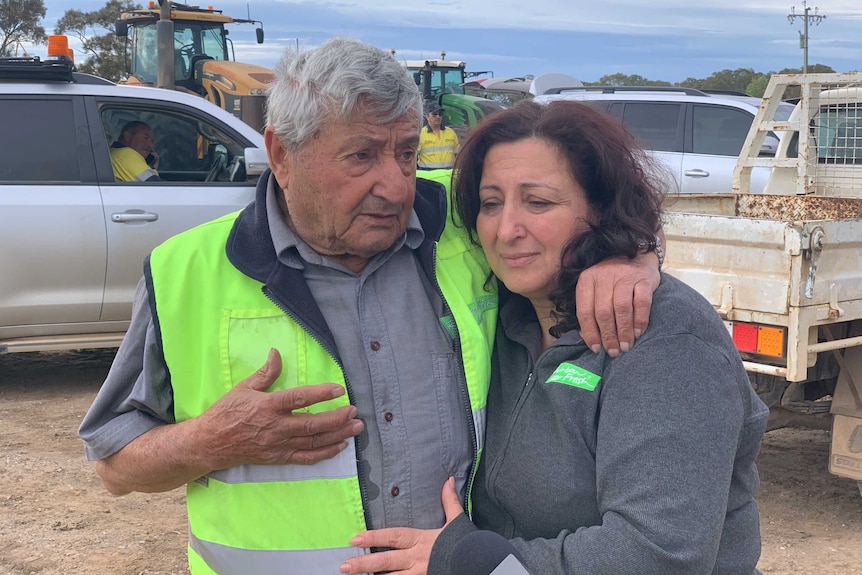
x: 395, y: 491
x: 387, y: 416
x: 375, y: 345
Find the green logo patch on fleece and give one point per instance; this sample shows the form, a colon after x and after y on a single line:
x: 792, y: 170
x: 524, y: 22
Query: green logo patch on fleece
x: 571, y: 374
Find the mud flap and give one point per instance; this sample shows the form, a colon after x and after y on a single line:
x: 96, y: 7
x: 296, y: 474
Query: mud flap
x: 845, y: 458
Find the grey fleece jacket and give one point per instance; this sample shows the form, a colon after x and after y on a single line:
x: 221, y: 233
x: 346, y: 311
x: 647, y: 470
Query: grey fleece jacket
x: 643, y: 464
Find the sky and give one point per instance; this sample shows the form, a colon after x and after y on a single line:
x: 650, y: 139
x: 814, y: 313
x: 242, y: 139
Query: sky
x: 667, y: 40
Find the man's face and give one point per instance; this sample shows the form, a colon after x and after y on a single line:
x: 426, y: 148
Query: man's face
x: 350, y: 189
x: 140, y: 139
x: 435, y: 119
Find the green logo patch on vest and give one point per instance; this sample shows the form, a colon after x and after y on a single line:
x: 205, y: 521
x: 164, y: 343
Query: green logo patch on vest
x: 481, y: 305
x: 477, y: 310
x: 571, y: 374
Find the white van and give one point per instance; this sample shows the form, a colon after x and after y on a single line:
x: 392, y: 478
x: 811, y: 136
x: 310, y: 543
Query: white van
x: 697, y: 135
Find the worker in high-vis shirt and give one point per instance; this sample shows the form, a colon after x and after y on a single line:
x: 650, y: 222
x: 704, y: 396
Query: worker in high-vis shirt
x: 132, y: 155
x: 438, y: 144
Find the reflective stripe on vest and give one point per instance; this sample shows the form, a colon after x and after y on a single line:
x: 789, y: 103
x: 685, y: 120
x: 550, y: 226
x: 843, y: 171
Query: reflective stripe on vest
x: 211, y: 558
x: 449, y: 148
x: 435, y: 165
x: 341, y: 466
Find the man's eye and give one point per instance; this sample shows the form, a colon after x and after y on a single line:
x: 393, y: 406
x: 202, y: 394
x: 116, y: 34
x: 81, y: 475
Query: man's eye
x: 362, y: 155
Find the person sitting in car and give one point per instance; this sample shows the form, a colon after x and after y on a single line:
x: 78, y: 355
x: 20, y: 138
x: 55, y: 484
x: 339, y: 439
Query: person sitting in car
x: 132, y: 155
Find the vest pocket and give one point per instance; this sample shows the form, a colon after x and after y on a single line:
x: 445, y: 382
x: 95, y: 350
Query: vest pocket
x: 248, y: 335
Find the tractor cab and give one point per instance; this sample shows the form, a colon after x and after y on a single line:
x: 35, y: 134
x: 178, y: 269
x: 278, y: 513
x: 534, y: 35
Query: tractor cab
x: 193, y: 41
x: 198, y: 34
x: 437, y: 77
x: 442, y: 81
x: 190, y: 50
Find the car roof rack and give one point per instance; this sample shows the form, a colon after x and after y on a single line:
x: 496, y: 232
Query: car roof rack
x: 614, y: 89
x: 34, y: 69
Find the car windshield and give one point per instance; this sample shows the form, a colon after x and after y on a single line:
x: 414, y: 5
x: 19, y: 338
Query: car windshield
x: 783, y: 112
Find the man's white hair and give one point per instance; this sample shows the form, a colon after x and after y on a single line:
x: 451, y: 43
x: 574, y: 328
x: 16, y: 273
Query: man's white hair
x: 334, y: 81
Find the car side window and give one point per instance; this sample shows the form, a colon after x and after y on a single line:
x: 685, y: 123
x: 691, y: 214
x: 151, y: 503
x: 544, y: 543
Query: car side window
x: 188, y: 149
x: 49, y: 155
x: 719, y: 130
x: 655, y: 125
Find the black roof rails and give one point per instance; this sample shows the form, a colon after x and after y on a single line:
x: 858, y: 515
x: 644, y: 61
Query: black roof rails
x: 34, y: 69
x: 614, y: 89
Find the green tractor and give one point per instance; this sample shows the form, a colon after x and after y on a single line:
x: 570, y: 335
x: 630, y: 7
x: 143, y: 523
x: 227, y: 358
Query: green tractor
x: 443, y: 81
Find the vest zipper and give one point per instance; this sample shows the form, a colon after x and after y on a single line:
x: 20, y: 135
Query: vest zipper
x: 465, y: 394
x: 332, y: 353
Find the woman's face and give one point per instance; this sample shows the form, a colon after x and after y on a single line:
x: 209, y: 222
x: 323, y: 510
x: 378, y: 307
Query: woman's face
x: 530, y: 207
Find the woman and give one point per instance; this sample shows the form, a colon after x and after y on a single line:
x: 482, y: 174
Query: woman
x: 644, y: 463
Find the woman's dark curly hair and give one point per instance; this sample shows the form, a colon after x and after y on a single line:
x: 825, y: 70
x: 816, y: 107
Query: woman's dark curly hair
x: 602, y: 157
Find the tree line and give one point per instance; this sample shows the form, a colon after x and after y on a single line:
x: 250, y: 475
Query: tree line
x: 104, y: 52
x: 739, y: 80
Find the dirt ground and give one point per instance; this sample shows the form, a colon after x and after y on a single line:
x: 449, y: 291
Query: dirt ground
x: 55, y: 518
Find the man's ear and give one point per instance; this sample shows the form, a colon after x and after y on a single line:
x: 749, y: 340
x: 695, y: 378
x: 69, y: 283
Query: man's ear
x: 278, y: 155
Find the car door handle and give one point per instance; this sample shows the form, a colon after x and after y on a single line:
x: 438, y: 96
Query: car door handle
x: 128, y: 217
x: 696, y: 173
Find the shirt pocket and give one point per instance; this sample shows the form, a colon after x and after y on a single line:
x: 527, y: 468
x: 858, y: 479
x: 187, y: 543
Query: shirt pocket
x: 456, y: 451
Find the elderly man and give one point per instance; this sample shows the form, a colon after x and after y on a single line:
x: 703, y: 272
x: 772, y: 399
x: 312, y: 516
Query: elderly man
x: 373, y: 315
x: 132, y: 155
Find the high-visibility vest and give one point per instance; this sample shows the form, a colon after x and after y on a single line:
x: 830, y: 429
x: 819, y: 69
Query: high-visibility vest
x: 216, y: 327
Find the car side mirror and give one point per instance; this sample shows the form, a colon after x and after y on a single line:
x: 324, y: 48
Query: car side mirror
x: 256, y: 161
x: 769, y: 146
x: 121, y: 29
x: 259, y: 33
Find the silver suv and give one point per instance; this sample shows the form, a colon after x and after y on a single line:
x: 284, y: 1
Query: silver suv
x: 74, y: 237
x: 696, y: 135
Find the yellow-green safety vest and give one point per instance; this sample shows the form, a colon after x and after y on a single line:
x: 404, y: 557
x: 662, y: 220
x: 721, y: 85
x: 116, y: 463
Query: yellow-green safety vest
x: 216, y: 327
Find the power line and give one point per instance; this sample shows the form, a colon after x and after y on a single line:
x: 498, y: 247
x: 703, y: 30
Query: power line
x: 806, y: 16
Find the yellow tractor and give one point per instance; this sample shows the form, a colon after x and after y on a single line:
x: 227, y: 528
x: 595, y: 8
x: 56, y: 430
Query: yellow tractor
x: 187, y: 48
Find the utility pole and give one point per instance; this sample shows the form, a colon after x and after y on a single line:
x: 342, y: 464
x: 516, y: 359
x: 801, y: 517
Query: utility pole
x: 806, y: 16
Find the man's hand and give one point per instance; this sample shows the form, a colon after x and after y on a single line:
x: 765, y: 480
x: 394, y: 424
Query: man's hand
x: 613, y: 300
x: 249, y: 425
x: 410, y: 548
